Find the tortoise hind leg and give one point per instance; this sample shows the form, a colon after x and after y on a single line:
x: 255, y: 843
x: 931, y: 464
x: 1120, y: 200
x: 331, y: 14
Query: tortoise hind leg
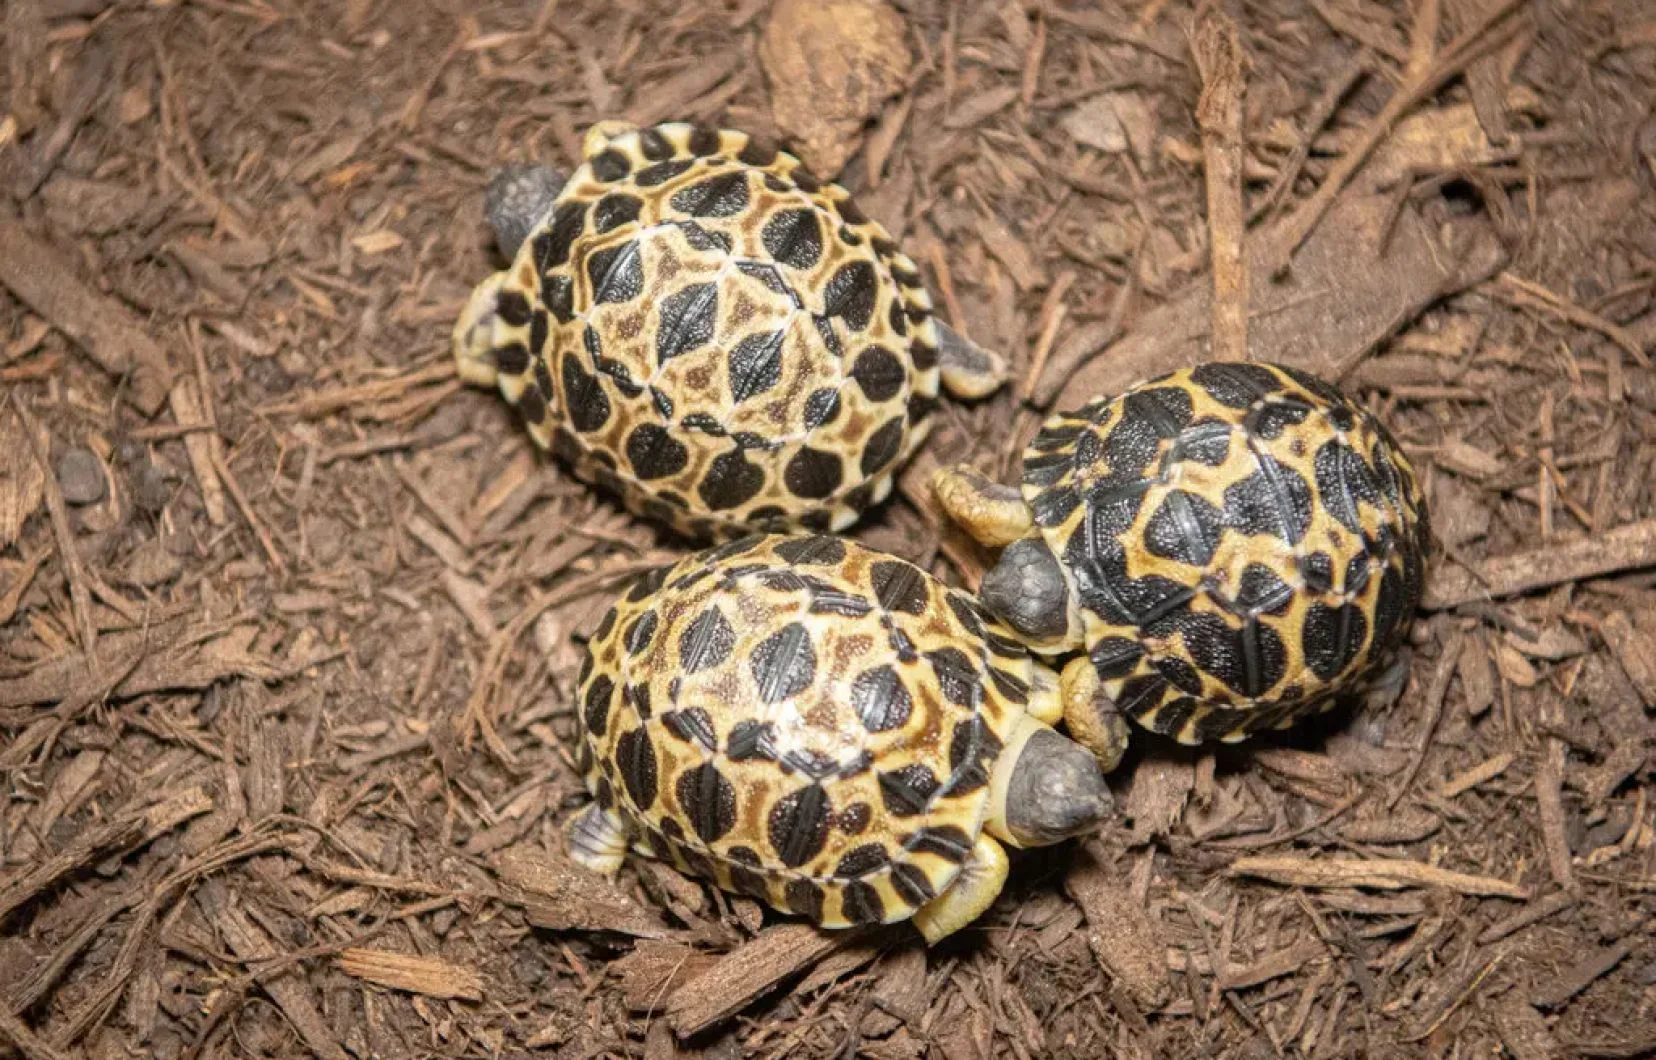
x: 973, y: 891
x: 968, y: 370
x: 992, y: 513
x: 598, y: 840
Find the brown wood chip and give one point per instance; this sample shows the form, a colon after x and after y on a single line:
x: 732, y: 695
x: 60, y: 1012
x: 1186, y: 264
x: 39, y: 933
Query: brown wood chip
x: 1124, y: 937
x: 105, y: 329
x: 746, y: 973
x: 1623, y: 548
x: 430, y: 976
x: 1369, y: 872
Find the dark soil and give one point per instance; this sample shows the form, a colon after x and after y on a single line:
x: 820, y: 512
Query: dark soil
x: 289, y: 616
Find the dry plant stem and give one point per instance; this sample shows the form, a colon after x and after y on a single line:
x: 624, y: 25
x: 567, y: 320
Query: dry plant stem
x: 1534, y: 296
x: 364, y: 394
x: 1549, y: 782
x: 251, y: 944
x: 1624, y: 548
x: 1217, y: 49
x: 1581, y: 976
x: 1370, y: 872
x: 131, y: 829
x: 80, y: 598
x: 1321, y: 112
x: 1435, y: 693
x: 31, y: 1045
x: 96, y: 323
x: 187, y: 406
x: 1420, y: 82
x: 744, y: 974
x: 1538, y: 910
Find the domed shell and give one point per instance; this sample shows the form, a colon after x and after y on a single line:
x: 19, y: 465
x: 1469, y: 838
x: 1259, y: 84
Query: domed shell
x: 726, y: 342
x: 1245, y: 542
x: 803, y: 720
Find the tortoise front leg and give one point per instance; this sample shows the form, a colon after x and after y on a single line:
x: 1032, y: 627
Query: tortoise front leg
x: 1090, y: 714
x: 994, y: 514
x: 973, y: 891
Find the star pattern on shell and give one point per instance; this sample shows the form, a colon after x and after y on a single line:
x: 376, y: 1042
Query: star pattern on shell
x: 803, y: 720
x: 1245, y: 541
x: 707, y: 331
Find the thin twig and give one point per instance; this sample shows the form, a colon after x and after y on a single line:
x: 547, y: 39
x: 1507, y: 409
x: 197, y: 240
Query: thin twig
x: 1223, y: 64
x: 80, y: 597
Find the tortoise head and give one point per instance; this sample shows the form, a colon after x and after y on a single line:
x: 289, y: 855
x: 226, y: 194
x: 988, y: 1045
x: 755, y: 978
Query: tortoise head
x: 1046, y: 788
x: 1029, y: 590
x: 517, y: 199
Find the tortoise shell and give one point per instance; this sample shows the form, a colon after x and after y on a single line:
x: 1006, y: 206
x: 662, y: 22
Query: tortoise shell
x: 710, y: 332
x: 803, y: 720
x: 1244, y: 540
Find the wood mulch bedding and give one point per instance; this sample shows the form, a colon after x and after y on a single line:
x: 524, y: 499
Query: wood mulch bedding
x: 289, y: 616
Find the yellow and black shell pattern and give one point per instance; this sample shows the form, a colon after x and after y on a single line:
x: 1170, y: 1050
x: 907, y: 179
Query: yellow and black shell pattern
x: 704, y: 328
x: 803, y: 720
x: 1245, y: 542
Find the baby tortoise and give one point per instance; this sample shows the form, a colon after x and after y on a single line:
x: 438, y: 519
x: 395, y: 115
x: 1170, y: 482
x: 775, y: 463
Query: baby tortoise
x: 694, y: 322
x: 826, y: 728
x: 1232, y: 545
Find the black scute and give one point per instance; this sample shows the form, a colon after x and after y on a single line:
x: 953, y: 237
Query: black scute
x: 880, y: 373
x: 692, y: 725
x: 1250, y: 661
x: 813, y: 473
x: 851, y: 293
x: 1332, y: 637
x: 798, y: 825
x: 899, y: 586
x: 558, y: 292
x: 784, y: 663
x: 1270, y: 419
x: 706, y: 642
x: 598, y: 697
x: 512, y: 358
x: 1186, y: 528
x: 654, y: 453
x: 1235, y: 385
x: 957, y: 677
x: 637, y: 760
x: 708, y: 800
x: 756, y: 365
x: 614, y: 210
x: 862, y: 860
x: 794, y: 238
x: 1344, y: 481
x: 1262, y: 592
x: 883, y: 446
x: 616, y: 273
x: 724, y: 195
x: 588, y: 405
x: 907, y: 791
x: 662, y: 172
x: 880, y: 700
x: 731, y: 480
x: 1272, y: 500
x: 817, y: 549
x: 551, y: 247
x: 687, y: 320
